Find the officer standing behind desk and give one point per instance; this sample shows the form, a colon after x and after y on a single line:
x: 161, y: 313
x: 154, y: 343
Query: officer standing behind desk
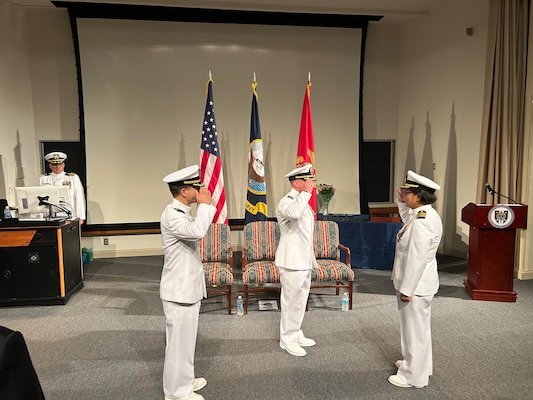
x: 415, y: 278
x: 182, y: 280
x: 58, y: 177
x: 295, y: 258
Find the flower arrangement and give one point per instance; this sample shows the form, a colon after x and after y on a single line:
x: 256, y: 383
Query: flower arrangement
x: 325, y: 192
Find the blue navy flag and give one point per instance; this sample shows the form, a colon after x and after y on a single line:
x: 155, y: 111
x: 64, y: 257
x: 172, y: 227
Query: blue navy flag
x: 256, y: 204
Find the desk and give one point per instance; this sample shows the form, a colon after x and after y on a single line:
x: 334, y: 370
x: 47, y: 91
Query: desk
x: 40, y: 262
x: 372, y: 244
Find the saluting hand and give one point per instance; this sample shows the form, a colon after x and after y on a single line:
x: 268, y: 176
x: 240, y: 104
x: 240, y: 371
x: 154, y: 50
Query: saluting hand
x: 203, y: 196
x: 308, y: 185
x: 401, y: 194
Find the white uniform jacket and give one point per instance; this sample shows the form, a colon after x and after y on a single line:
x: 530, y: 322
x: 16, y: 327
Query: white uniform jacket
x: 415, y: 264
x: 296, y: 223
x: 182, y: 278
x: 77, y: 194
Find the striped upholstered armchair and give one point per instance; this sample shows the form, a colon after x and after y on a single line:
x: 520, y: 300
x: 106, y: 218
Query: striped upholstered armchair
x: 331, y: 272
x: 259, y: 273
x: 217, y: 258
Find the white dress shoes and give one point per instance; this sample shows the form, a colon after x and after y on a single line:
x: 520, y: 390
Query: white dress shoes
x: 192, y: 396
x: 198, y: 383
x: 293, y: 349
x: 397, y: 381
x: 306, y: 342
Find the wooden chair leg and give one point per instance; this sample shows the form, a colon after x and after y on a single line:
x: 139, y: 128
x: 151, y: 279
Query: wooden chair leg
x: 246, y: 298
x: 350, y: 294
x: 229, y: 299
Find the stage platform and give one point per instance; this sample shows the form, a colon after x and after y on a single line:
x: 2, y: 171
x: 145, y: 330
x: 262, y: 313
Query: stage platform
x: 372, y: 244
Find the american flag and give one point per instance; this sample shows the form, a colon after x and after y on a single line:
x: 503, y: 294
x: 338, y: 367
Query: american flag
x: 211, y: 164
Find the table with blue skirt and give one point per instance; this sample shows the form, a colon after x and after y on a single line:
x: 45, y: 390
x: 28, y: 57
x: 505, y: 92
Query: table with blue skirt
x: 372, y: 244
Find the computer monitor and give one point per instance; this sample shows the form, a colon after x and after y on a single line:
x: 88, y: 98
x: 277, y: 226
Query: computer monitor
x: 43, y: 201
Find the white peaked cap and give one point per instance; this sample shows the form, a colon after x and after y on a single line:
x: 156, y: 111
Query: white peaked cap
x: 55, y: 157
x: 415, y: 180
x: 303, y: 172
x: 188, y: 176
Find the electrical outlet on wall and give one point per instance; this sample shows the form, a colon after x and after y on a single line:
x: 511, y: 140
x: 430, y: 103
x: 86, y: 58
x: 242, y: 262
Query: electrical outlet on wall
x: 106, y: 241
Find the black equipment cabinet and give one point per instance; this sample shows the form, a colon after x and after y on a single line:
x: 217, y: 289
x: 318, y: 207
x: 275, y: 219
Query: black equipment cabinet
x: 40, y: 262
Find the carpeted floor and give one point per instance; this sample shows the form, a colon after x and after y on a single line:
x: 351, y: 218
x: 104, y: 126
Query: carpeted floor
x: 108, y: 342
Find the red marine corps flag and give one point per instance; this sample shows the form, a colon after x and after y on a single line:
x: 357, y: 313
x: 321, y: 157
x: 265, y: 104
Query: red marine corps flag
x: 306, y: 143
x: 210, y: 161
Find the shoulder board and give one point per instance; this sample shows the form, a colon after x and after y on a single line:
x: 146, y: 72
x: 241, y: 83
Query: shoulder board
x: 71, y: 174
x: 421, y: 215
x: 290, y: 197
x: 43, y: 175
x: 178, y: 210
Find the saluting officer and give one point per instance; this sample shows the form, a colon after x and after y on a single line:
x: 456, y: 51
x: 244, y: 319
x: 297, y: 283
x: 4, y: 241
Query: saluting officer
x: 415, y: 278
x: 182, y: 281
x: 58, y: 177
x: 295, y: 258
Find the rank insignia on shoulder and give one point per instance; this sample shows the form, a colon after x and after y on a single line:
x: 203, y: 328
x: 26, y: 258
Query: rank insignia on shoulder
x: 71, y: 174
x: 421, y: 214
x: 290, y: 197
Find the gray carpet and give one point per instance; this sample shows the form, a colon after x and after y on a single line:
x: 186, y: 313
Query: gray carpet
x: 108, y: 342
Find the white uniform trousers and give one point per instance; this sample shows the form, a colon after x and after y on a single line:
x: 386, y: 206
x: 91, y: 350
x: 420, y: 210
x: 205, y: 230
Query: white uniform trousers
x: 181, y: 330
x: 295, y: 285
x: 415, y: 330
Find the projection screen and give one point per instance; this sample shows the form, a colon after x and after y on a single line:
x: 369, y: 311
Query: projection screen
x: 144, y: 93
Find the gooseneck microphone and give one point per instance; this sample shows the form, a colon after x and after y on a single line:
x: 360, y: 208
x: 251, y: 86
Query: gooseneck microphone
x: 493, y: 192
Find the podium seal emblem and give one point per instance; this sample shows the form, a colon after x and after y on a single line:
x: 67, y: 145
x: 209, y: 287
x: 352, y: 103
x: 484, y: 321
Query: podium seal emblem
x: 501, y: 216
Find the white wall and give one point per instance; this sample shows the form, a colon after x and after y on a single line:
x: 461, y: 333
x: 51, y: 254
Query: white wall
x: 421, y: 72
x: 17, y: 144
x: 53, y: 73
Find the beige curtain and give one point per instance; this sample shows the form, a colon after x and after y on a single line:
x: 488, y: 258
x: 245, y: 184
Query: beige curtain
x: 502, y: 137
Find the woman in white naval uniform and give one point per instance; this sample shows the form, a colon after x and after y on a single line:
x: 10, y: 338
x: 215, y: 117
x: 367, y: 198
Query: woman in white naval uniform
x: 58, y: 177
x: 295, y: 258
x: 182, y: 280
x: 415, y: 278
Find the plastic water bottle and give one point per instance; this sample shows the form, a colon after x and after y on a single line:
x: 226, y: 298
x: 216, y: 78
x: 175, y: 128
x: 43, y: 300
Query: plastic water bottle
x: 7, y: 213
x: 345, y: 301
x: 240, y: 306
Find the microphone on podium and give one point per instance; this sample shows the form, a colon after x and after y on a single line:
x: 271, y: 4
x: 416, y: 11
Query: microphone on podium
x: 493, y: 192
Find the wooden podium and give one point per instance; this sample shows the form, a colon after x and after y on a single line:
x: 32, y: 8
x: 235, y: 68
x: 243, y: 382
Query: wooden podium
x: 40, y: 262
x: 491, y: 249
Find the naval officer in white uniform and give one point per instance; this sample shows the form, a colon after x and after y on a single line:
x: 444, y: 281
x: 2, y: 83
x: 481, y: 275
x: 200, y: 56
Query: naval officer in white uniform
x: 58, y: 177
x: 415, y: 278
x: 295, y: 258
x: 182, y: 280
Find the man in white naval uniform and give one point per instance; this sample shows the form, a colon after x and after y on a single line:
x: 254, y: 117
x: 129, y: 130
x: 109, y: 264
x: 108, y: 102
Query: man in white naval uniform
x: 182, y: 280
x: 415, y: 278
x: 58, y: 177
x: 295, y: 258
